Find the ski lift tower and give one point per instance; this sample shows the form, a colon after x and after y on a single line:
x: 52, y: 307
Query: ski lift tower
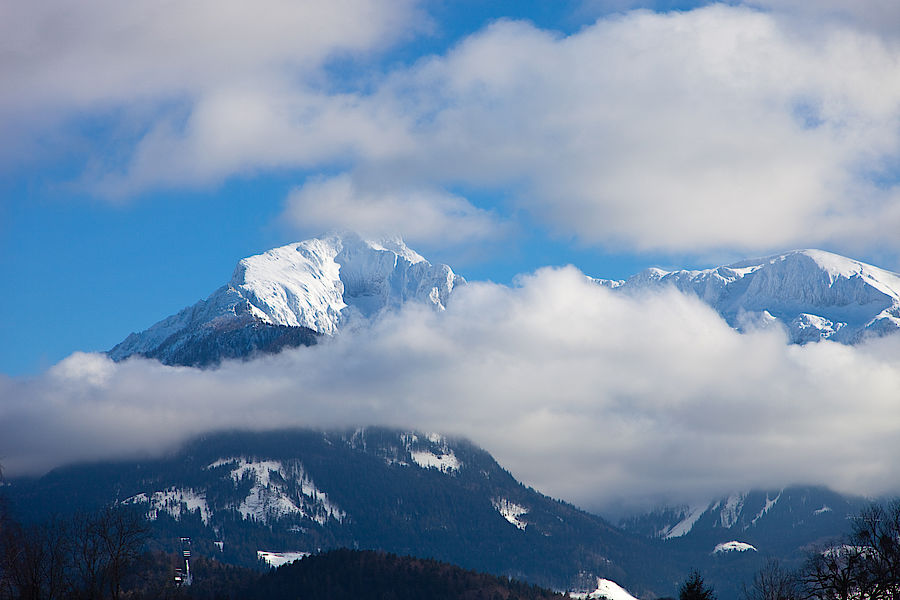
x: 184, y: 576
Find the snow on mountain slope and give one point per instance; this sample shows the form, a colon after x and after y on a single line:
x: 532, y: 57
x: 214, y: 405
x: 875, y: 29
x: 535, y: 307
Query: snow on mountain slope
x: 690, y: 516
x: 511, y: 511
x: 814, y: 294
x: 610, y: 590
x: 174, y: 501
x: 238, y: 493
x: 436, y: 454
x: 268, y: 490
x: 317, y: 284
x: 276, y: 489
x: 733, y: 546
x: 270, y: 496
x: 739, y: 511
x: 276, y: 559
x: 772, y: 520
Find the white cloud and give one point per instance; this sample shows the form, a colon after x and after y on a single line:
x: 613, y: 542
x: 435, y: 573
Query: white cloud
x: 717, y: 128
x: 425, y: 216
x: 245, y: 129
x: 881, y: 16
x: 67, y: 55
x: 720, y: 128
x: 146, y: 63
x: 688, y: 131
x: 585, y: 394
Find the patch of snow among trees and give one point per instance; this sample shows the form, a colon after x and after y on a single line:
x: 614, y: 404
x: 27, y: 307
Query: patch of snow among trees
x: 733, y: 546
x: 438, y: 456
x: 605, y: 589
x: 276, y: 559
x: 269, y: 497
x: 174, y: 501
x: 428, y: 460
x: 510, y: 511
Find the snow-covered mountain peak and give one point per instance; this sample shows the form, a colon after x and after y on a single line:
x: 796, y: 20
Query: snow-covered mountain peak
x: 814, y: 294
x: 396, y: 245
x: 317, y: 284
x: 309, y: 283
x: 830, y: 263
x: 817, y: 276
x: 297, y: 285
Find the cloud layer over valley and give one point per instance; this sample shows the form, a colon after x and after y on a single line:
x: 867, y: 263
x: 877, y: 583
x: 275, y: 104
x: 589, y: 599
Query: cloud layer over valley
x: 587, y: 395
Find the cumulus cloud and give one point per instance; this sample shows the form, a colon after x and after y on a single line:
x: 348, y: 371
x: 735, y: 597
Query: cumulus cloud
x: 719, y: 128
x: 425, y: 216
x: 715, y: 128
x: 588, y: 395
x: 687, y: 131
x: 102, y: 51
x: 147, y: 66
x: 248, y: 128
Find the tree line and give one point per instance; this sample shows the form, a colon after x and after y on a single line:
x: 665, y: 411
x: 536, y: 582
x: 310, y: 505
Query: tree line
x: 85, y: 556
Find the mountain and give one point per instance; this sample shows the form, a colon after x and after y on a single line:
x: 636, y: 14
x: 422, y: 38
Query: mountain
x: 786, y: 523
x: 814, y: 294
x: 289, y: 296
x: 244, y: 497
x: 248, y: 498
x: 292, y: 295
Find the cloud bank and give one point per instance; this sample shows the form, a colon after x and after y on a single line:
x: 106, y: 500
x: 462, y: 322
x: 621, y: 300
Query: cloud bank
x: 590, y: 396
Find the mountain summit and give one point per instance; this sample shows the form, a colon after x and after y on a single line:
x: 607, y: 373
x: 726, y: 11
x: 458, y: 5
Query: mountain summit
x: 815, y: 294
x: 290, y: 295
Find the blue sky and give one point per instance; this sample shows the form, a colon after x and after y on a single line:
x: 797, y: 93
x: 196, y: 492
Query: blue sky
x: 146, y: 152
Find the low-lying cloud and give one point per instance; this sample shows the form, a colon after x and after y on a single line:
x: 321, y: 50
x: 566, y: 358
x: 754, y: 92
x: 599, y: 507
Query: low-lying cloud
x: 585, y: 394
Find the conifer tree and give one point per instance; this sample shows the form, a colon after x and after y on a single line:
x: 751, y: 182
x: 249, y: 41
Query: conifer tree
x: 694, y: 589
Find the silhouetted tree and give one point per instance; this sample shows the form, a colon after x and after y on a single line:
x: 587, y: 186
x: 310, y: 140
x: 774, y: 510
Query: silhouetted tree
x: 34, y: 561
x: 85, y: 557
x: 694, y: 589
x: 876, y: 533
x: 866, y: 566
x: 105, y: 545
x: 773, y: 582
